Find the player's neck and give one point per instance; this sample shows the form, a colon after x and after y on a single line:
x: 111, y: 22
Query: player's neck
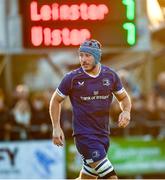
x: 95, y: 71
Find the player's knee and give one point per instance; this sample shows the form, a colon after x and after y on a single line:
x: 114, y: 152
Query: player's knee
x: 111, y: 175
x: 89, y: 171
x: 105, y: 169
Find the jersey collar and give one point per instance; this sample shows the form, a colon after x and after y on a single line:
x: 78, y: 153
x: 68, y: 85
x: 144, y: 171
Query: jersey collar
x: 93, y: 76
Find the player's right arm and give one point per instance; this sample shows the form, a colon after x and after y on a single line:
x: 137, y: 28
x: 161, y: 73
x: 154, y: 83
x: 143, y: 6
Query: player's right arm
x: 55, y: 111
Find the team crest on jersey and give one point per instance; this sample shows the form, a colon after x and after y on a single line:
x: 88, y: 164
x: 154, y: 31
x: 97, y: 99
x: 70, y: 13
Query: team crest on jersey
x: 95, y: 92
x: 106, y: 82
x: 81, y: 83
x: 95, y: 154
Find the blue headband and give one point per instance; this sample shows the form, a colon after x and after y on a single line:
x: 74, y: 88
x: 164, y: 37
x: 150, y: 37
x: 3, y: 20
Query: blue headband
x: 92, y: 48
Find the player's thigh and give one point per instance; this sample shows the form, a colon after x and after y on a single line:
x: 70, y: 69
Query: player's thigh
x: 104, y: 169
x: 92, y: 148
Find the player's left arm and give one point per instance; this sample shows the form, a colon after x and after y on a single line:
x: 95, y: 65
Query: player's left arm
x: 125, y: 105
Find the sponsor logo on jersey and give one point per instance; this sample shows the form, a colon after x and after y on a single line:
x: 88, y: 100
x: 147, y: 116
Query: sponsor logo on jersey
x: 95, y: 92
x: 89, y: 98
x: 81, y: 83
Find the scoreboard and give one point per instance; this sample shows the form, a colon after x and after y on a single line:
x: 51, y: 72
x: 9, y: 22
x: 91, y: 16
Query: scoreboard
x: 67, y: 23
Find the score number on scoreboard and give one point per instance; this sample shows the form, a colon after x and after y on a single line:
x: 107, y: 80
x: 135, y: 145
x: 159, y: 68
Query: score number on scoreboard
x: 52, y: 23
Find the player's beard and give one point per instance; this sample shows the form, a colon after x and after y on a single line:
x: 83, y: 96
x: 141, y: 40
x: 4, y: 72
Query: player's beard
x: 92, y: 68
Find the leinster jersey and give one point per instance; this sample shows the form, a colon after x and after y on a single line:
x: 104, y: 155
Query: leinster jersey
x: 91, y: 97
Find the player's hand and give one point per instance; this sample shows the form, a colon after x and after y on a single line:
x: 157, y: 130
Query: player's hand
x: 58, y: 136
x: 124, y: 119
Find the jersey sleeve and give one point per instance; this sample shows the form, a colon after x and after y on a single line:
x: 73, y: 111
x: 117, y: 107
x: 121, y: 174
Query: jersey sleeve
x: 118, y: 87
x: 64, y: 87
